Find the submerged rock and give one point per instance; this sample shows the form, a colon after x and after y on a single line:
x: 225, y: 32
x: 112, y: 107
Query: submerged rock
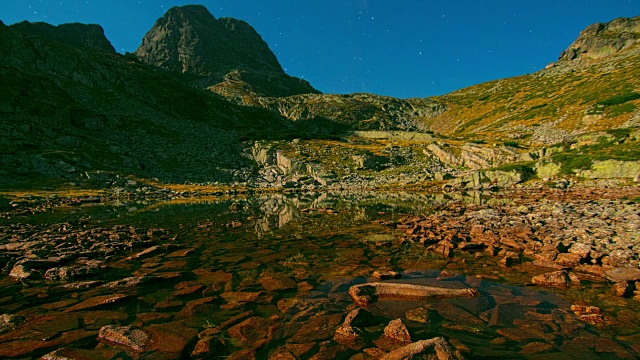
x: 349, y: 336
x: 359, y: 317
x: 365, y: 294
x: 426, y: 349
x: 68, y: 273
x: 385, y: 275
x: 9, y: 322
x: 127, y: 336
x: 423, y: 315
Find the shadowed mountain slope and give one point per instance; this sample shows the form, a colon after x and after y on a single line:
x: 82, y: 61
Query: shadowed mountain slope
x: 68, y: 110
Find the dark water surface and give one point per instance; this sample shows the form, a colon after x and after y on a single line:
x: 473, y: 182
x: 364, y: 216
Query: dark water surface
x: 268, y: 277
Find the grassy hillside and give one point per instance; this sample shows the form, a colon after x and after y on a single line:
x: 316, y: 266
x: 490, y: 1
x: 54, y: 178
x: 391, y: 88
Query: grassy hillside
x: 547, y: 106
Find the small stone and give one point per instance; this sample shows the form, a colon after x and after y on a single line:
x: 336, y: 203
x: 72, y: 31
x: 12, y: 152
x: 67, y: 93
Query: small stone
x: 556, y: 278
x: 568, y: 259
x: 250, y: 330
x: 68, y: 273
x: 385, y: 275
x: 536, y: 348
x: 583, y: 250
x: 128, y: 336
x: 207, y: 345
x: 277, y: 282
x: 397, y: 330
x: 170, y: 339
x: 589, y: 314
x: 20, y: 272
x: 583, y: 309
x: 423, y: 315
x: 349, y: 336
x: 622, y: 289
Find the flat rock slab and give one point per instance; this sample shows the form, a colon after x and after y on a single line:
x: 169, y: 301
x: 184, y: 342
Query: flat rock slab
x: 365, y: 294
x: 623, y: 274
x: 127, y: 336
x: 96, y: 302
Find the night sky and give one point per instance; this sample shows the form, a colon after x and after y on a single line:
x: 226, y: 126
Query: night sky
x: 401, y: 48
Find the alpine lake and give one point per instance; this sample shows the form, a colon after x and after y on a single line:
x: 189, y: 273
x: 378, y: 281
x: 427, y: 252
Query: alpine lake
x: 269, y: 277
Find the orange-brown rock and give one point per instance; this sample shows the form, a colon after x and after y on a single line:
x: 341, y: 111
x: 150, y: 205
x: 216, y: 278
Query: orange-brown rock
x: 364, y: 294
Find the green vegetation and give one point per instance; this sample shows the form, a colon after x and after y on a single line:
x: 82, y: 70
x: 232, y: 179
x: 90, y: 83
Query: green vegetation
x: 512, y: 144
x: 570, y: 162
x: 606, y: 148
x: 621, y: 109
x: 619, y: 133
x: 620, y: 99
x: 539, y: 106
x: 524, y: 168
x: 500, y: 108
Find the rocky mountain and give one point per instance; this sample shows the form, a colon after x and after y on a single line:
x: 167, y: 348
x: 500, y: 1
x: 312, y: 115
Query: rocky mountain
x: 87, y: 35
x: 604, y: 39
x: 70, y: 111
x: 189, y: 106
x: 190, y: 41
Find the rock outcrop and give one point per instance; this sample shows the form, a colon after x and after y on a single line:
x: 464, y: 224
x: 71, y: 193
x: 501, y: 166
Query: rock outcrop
x: 602, y: 40
x: 362, y: 111
x: 189, y: 40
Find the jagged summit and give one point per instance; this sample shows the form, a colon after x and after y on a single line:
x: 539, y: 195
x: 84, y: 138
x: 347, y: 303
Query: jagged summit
x: 602, y: 40
x: 189, y: 40
x: 87, y: 35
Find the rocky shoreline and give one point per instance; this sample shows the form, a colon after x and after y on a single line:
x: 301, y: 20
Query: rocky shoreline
x: 592, y: 233
x: 197, y: 290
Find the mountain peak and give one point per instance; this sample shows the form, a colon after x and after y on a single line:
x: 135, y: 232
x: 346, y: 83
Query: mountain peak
x: 189, y: 13
x: 189, y: 40
x: 601, y: 40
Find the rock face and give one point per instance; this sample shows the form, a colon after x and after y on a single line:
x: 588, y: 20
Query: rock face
x: 613, y: 169
x: 361, y: 111
x: 189, y: 40
x: 604, y: 39
x: 87, y: 35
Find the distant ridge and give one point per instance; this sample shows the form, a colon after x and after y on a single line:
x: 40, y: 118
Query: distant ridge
x: 87, y: 35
